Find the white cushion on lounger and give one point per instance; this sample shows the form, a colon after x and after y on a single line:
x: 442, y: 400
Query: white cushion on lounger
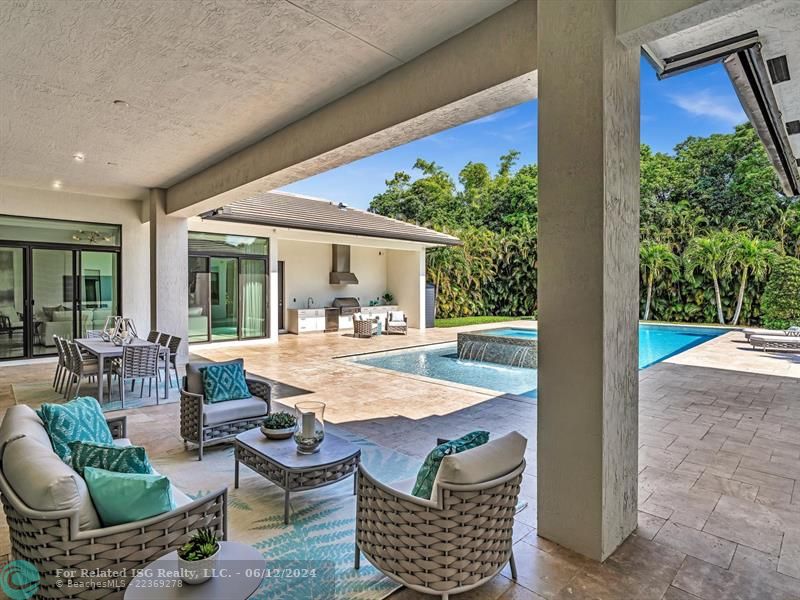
x: 397, y: 323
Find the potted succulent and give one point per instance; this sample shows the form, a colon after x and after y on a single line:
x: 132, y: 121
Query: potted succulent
x: 279, y: 426
x: 197, y: 558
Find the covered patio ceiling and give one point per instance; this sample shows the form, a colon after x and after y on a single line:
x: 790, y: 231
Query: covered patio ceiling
x: 150, y: 92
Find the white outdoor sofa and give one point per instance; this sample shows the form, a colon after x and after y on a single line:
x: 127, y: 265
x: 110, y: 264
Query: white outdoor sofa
x: 784, y: 343
x: 460, y: 538
x: 53, y: 524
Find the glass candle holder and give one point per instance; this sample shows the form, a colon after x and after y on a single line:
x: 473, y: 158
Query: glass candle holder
x: 310, y: 428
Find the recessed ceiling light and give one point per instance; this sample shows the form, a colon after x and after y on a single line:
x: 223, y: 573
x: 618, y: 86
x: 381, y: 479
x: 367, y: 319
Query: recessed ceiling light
x: 78, y: 156
x: 120, y: 103
x: 57, y: 184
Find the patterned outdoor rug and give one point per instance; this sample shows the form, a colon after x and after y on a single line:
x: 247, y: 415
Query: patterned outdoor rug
x: 320, y: 533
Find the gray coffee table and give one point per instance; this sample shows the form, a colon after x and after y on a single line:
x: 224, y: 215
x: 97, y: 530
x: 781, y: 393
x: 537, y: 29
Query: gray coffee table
x: 279, y: 462
x: 241, y: 569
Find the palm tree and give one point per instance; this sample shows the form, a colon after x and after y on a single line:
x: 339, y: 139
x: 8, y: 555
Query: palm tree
x: 712, y: 255
x: 654, y: 259
x: 753, y: 256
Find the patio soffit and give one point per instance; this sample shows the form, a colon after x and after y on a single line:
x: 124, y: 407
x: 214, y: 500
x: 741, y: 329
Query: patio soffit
x: 150, y: 92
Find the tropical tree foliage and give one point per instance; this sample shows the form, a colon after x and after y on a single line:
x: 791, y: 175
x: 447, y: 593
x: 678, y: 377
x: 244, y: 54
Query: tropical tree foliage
x: 712, y: 223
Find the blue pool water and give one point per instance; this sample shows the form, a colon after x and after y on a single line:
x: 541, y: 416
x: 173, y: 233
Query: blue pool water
x: 656, y: 343
x: 514, y: 332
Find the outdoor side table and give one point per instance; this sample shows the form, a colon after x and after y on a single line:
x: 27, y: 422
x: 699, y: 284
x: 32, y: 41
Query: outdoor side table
x: 242, y: 566
x: 279, y: 462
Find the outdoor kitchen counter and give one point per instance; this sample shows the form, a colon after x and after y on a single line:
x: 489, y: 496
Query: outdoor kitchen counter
x: 308, y: 320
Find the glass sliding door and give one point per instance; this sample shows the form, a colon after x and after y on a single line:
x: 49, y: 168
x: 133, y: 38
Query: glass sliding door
x: 56, y: 278
x: 224, y: 298
x: 12, y: 302
x: 98, y: 289
x: 199, y: 299
x: 228, y: 287
x: 52, y: 297
x: 254, y: 294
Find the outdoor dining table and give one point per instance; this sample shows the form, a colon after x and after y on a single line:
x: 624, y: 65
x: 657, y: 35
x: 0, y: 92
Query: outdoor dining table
x: 103, y: 351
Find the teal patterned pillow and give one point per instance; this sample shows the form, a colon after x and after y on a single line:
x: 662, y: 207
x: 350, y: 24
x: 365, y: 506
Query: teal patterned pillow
x: 224, y: 382
x: 79, y: 420
x: 427, y: 472
x: 120, y: 459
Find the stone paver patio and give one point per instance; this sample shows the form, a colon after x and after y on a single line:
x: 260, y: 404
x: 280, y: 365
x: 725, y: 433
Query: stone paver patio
x: 719, y: 460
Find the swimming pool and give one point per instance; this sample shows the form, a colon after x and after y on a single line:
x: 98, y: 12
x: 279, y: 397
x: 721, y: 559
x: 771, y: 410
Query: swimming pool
x: 656, y: 343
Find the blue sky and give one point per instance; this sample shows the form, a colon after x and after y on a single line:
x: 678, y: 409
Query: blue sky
x: 697, y: 103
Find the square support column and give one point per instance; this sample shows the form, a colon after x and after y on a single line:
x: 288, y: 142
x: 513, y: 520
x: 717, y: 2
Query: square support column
x: 169, y: 271
x: 405, y: 278
x: 588, y: 278
x: 274, y: 298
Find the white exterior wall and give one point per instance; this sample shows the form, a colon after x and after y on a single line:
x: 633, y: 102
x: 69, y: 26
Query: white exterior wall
x: 406, y: 280
x: 307, y: 266
x: 47, y: 204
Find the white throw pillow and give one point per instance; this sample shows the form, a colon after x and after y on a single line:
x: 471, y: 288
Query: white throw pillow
x: 397, y: 315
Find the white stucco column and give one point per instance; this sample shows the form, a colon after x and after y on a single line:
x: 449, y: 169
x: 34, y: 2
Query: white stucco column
x: 405, y: 278
x: 273, y: 289
x: 169, y: 271
x: 588, y: 278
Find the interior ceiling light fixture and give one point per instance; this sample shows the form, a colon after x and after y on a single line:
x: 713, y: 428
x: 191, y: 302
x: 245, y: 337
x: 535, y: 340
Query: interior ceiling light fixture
x: 121, y: 103
x: 91, y: 237
x: 78, y: 156
x: 57, y: 184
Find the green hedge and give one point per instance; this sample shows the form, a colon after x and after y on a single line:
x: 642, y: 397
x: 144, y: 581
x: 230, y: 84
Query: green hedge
x: 780, y: 304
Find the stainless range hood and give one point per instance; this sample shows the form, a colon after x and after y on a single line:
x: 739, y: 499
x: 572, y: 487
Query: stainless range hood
x: 340, y: 266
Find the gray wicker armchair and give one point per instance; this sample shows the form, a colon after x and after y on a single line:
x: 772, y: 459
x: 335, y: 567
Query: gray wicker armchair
x: 70, y: 543
x: 457, y: 540
x: 364, y: 326
x: 203, y: 424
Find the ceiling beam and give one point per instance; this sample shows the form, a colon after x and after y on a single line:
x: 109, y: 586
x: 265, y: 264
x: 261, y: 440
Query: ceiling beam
x: 486, y: 68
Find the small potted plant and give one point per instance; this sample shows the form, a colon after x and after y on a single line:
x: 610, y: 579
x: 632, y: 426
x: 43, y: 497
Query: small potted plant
x: 279, y: 426
x: 388, y: 297
x: 197, y: 558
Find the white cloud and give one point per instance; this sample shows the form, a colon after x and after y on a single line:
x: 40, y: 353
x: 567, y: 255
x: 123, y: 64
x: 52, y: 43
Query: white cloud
x: 705, y: 103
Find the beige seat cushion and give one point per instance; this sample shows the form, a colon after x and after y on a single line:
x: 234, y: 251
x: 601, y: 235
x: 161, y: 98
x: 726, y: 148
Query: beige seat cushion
x: 233, y: 410
x: 21, y: 419
x: 44, y: 482
x: 194, y: 377
x: 484, y: 463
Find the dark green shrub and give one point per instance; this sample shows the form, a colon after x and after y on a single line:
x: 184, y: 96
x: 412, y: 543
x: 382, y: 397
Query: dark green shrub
x: 780, y: 304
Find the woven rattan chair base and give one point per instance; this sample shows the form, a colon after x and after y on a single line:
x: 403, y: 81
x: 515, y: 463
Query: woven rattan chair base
x: 438, y: 551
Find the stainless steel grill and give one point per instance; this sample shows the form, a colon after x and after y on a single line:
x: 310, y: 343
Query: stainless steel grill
x: 347, y: 306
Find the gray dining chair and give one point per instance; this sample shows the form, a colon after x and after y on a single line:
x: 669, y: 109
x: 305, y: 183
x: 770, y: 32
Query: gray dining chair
x: 79, y: 368
x: 62, y: 366
x: 138, y: 362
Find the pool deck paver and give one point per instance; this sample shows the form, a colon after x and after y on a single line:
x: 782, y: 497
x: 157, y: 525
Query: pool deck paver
x: 719, y: 436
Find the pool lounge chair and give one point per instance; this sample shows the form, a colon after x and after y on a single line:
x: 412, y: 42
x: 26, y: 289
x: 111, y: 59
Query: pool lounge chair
x: 784, y: 343
x: 794, y: 330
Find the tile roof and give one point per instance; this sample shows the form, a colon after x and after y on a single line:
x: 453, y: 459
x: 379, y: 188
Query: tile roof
x: 282, y: 209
